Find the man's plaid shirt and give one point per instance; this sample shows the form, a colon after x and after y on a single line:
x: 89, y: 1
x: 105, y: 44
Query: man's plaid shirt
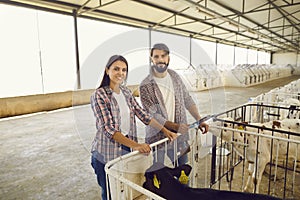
x: 152, y: 101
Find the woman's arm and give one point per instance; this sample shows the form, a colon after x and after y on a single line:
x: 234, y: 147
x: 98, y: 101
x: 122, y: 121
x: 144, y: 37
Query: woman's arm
x: 143, y: 148
x: 102, y: 112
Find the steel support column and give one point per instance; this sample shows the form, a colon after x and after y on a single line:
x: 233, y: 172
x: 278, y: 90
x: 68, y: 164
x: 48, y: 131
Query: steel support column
x: 77, y: 50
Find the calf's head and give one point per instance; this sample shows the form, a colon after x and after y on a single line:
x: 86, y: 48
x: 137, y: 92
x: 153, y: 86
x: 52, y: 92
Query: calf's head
x: 164, y: 181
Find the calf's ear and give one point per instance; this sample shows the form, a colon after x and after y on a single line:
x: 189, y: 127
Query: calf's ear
x: 187, y: 169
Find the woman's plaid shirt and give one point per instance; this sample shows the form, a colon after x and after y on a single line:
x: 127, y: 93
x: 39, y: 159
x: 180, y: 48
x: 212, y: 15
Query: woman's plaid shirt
x: 108, y: 120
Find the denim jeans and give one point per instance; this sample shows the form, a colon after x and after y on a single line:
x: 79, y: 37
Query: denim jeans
x: 98, y: 164
x: 101, y: 175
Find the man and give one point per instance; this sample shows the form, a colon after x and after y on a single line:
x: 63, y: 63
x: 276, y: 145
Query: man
x: 165, y: 96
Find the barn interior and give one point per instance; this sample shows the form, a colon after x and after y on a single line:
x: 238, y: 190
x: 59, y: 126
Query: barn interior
x: 46, y: 137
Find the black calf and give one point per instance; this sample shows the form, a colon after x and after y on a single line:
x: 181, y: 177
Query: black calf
x: 163, y: 181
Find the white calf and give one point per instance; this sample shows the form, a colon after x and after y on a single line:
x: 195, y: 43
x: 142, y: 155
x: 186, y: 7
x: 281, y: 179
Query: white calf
x: 258, y: 141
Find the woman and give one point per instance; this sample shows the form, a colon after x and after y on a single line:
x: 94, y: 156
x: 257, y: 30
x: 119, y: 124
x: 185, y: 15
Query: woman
x: 115, y: 109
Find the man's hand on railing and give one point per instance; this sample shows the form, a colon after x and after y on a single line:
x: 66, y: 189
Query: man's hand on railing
x: 204, y: 126
x: 169, y: 134
x: 201, y: 124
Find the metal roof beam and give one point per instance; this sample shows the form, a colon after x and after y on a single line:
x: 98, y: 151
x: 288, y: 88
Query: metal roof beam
x: 114, y: 17
x: 255, y: 10
x: 292, y: 44
x: 95, y: 8
x: 205, y: 22
x: 219, y: 16
x: 284, y: 15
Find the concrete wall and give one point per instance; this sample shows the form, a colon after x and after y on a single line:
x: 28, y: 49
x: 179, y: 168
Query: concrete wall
x: 13, y: 106
x: 286, y: 58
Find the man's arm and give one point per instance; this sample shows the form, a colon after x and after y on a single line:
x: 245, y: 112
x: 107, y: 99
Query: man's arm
x: 179, y: 128
x: 190, y: 105
x: 148, y: 102
x: 194, y: 112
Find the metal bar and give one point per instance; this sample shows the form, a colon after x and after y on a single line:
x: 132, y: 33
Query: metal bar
x: 292, y: 44
x: 39, y: 7
x: 83, y: 5
x: 190, y: 58
x: 139, y: 188
x: 232, y: 21
x: 234, y: 54
x: 95, y: 8
x: 243, y: 6
x: 40, y: 52
x: 264, y: 9
x: 77, y: 50
x: 213, y: 162
x: 256, y: 162
x: 283, y: 14
x: 150, y: 41
x: 286, y: 165
x: 101, y: 12
x: 261, y: 135
x: 205, y: 22
x: 173, y: 15
x: 216, y: 56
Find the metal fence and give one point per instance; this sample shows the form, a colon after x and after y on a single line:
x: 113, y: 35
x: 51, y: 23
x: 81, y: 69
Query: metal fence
x: 221, y: 162
x: 125, y: 174
x: 262, y: 157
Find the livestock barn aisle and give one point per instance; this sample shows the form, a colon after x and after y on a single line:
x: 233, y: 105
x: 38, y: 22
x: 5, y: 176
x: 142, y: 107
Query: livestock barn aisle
x: 46, y: 155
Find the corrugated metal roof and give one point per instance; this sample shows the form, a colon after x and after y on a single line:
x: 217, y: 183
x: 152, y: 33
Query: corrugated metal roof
x: 270, y: 25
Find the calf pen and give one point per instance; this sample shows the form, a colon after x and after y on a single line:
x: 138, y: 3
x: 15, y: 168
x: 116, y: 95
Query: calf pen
x: 258, y: 145
x: 215, y: 162
x: 125, y: 175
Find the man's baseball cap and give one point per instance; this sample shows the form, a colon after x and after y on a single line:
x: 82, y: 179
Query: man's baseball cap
x: 160, y: 46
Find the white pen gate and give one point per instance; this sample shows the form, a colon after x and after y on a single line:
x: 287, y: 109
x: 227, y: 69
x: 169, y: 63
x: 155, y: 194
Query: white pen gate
x: 234, y: 160
x: 258, y: 143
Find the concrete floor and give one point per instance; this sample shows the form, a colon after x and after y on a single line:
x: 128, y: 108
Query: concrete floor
x: 46, y: 155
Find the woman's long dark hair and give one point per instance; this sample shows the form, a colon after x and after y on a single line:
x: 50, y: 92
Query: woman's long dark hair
x: 112, y: 59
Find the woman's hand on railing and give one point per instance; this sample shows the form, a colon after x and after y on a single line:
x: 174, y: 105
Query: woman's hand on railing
x: 142, y: 148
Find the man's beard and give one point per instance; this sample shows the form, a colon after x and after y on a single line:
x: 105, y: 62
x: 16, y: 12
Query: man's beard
x: 160, y: 69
